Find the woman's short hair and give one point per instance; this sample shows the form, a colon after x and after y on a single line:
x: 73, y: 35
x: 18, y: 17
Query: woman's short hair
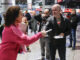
x: 11, y: 15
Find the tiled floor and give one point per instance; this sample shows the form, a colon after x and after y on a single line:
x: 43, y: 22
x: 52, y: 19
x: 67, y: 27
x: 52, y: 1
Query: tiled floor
x: 35, y: 51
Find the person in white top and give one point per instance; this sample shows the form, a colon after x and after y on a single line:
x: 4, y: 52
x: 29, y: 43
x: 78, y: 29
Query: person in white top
x: 24, y: 27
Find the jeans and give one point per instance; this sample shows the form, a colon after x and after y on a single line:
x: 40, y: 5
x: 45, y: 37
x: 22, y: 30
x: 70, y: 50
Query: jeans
x: 73, y: 37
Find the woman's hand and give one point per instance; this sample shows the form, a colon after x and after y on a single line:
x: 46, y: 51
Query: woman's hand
x: 43, y: 33
x: 61, y: 34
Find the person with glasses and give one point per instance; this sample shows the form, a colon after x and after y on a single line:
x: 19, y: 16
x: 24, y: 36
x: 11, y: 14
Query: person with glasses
x: 60, y: 29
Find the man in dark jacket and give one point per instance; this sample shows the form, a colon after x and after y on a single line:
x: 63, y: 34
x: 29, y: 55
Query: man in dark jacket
x: 44, y: 42
x: 60, y: 29
x: 0, y: 19
x: 28, y: 16
x: 74, y: 20
x: 1, y: 29
x: 39, y: 19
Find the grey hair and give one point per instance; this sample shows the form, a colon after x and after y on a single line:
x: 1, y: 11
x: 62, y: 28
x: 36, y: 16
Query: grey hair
x: 46, y: 10
x: 57, y: 6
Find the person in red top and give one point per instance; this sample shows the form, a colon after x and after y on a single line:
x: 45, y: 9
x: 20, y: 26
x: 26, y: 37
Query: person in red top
x: 12, y: 37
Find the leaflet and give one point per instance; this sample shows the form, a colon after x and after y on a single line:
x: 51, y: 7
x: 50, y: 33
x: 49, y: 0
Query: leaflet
x: 58, y: 37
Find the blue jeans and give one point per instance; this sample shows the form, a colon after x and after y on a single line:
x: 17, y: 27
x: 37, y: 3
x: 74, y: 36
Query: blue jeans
x: 73, y: 37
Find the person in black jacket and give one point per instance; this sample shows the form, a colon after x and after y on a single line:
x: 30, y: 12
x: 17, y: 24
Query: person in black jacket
x: 0, y: 19
x: 60, y: 29
x: 39, y: 19
x: 28, y: 16
x: 44, y: 42
x: 1, y: 29
x: 74, y: 20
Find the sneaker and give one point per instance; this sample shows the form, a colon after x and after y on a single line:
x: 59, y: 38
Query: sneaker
x: 70, y: 46
x: 43, y: 59
x: 73, y: 48
x: 47, y: 59
x: 29, y: 50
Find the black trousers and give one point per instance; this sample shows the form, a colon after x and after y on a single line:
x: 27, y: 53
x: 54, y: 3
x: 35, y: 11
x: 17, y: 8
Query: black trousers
x: 60, y: 45
x: 40, y: 27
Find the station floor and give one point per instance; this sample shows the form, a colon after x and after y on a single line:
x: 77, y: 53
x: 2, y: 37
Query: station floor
x: 35, y: 53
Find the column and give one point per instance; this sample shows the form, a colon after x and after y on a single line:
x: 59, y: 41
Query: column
x: 43, y: 5
x: 4, y: 5
x: 7, y: 3
x: 29, y: 3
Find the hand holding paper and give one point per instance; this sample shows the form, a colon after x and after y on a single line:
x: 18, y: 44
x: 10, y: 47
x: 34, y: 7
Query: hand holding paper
x: 45, y: 32
x: 49, y: 30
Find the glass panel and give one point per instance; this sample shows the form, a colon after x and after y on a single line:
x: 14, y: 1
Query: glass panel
x: 49, y: 2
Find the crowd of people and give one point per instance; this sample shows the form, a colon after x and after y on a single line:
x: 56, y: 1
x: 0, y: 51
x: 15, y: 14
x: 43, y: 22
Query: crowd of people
x: 15, y: 32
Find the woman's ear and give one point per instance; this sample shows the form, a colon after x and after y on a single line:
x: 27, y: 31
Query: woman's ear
x: 16, y: 20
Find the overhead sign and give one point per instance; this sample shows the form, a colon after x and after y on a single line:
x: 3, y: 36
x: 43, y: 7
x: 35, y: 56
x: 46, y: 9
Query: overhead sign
x: 0, y: 6
x: 38, y: 9
x: 77, y: 0
x: 58, y: 1
x: 29, y: 6
x: 68, y: 10
x: 29, y: 2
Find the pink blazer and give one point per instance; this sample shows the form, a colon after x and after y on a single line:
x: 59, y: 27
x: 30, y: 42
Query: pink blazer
x: 12, y: 39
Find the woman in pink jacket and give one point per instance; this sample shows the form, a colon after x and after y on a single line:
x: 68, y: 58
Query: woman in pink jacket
x: 12, y: 37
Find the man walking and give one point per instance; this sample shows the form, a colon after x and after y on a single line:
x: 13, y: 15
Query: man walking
x: 44, y: 42
x: 74, y: 20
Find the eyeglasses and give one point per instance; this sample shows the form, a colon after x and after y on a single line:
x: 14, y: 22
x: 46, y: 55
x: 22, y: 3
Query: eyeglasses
x: 46, y: 13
